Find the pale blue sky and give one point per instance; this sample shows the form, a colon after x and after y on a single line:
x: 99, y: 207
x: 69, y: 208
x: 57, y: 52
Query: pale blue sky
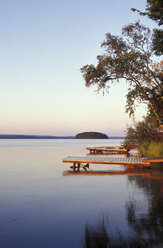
x: 43, y: 45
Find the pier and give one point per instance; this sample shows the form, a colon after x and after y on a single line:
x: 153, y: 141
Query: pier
x: 108, y: 149
x: 84, y: 162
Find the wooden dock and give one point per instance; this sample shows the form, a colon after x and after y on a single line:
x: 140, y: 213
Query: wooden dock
x: 108, y: 149
x: 83, y: 162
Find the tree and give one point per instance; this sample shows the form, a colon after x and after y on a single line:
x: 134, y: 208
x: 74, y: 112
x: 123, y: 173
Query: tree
x: 143, y: 131
x: 130, y: 57
x: 154, y: 10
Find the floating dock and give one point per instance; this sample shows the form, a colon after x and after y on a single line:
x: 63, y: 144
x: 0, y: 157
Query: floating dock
x: 108, y: 149
x: 83, y: 162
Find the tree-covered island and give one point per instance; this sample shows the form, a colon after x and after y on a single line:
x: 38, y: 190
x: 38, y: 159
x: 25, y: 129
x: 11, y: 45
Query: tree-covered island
x: 91, y: 135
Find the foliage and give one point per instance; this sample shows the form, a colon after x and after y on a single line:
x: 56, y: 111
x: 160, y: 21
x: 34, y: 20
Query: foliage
x: 154, y: 10
x: 152, y: 149
x: 129, y: 57
x: 144, y: 131
x: 147, y: 136
x: 157, y: 41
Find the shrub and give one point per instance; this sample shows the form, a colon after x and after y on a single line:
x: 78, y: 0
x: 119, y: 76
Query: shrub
x: 152, y: 149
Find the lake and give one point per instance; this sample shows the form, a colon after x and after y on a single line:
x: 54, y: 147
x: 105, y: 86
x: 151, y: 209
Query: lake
x: 41, y: 205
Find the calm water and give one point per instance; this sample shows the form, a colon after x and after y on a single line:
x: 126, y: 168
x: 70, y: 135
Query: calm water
x: 42, y: 206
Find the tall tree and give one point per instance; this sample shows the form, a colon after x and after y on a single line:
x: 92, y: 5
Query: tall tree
x: 154, y: 10
x: 130, y: 57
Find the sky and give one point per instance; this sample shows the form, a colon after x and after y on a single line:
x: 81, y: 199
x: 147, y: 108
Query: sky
x: 43, y: 45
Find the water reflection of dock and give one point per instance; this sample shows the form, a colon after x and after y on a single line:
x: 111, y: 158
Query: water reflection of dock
x: 129, y: 172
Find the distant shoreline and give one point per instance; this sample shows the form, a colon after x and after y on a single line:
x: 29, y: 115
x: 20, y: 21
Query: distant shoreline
x: 22, y: 136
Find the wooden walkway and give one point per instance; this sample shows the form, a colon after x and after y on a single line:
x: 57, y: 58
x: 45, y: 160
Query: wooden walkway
x: 79, y: 161
x: 108, y: 149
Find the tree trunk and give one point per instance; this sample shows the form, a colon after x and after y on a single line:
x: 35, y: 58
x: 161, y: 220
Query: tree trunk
x: 157, y: 116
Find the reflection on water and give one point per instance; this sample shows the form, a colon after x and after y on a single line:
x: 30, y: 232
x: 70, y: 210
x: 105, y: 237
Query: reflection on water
x: 147, y: 225
x: 129, y: 171
x: 39, y: 207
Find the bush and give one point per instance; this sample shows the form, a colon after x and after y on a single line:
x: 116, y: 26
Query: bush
x: 151, y: 149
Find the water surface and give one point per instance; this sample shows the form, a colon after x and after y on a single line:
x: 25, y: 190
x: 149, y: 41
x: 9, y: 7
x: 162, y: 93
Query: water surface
x: 42, y: 207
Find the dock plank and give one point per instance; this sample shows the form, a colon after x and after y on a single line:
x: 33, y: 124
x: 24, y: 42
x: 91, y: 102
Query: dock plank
x: 154, y: 160
x: 107, y: 160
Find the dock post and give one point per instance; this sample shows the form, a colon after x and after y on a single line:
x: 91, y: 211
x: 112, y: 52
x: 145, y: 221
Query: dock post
x: 74, y: 166
x: 78, y: 166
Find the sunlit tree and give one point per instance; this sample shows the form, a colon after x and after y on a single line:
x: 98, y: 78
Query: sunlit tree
x: 130, y: 57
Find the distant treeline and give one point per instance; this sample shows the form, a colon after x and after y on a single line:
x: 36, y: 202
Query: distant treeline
x: 22, y: 136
